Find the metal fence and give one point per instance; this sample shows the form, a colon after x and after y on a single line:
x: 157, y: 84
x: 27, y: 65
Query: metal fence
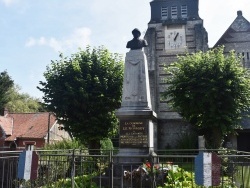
x: 81, y: 169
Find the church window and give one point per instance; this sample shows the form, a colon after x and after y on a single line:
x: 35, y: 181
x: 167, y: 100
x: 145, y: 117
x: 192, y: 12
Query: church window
x: 184, y: 11
x: 164, y: 13
x: 247, y: 55
x: 174, y: 12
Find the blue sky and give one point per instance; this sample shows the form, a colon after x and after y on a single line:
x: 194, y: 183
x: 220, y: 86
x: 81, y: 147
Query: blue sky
x: 33, y: 32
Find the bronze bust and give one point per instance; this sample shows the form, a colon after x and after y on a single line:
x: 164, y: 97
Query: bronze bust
x: 136, y: 43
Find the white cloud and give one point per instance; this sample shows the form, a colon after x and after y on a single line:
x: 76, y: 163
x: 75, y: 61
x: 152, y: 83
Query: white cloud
x: 30, y: 42
x: 79, y: 38
x: 9, y: 2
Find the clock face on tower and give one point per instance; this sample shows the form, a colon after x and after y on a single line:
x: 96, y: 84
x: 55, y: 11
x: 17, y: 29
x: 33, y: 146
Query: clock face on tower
x: 175, y: 38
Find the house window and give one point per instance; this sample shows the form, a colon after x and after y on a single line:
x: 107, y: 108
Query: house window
x: 243, y: 56
x: 184, y: 11
x: 174, y: 12
x: 164, y: 13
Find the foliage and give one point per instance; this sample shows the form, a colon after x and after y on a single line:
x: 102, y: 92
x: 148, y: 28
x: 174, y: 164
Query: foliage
x: 5, y: 84
x: 151, y: 169
x: 65, y: 144
x: 84, y: 91
x: 60, y: 164
x: 244, y: 177
x: 179, y: 178
x: 147, y: 174
x: 187, y: 141
x: 211, y: 91
x: 107, y: 147
x: 13, y: 100
x: 22, y: 102
x: 84, y: 181
x: 174, y: 177
x: 106, y: 144
x: 228, y: 166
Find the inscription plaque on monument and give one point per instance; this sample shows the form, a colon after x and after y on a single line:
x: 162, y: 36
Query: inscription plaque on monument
x: 133, y: 133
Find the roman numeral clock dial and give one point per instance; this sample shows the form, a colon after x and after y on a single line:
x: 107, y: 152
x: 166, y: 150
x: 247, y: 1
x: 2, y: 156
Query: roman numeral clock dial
x: 175, y: 38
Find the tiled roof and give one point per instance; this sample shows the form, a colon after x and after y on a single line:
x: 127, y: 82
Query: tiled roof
x: 30, y: 125
x: 6, y: 124
x: 238, y: 31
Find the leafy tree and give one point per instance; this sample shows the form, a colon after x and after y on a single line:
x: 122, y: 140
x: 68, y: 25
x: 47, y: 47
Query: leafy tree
x: 5, y: 84
x: 13, y: 100
x: 211, y: 91
x: 84, y: 91
x: 22, y: 102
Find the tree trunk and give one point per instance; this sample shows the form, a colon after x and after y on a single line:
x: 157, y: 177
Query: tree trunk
x: 213, y: 138
x: 94, y: 147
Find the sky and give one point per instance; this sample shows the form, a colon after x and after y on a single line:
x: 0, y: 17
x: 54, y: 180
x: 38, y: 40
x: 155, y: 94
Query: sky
x: 34, y: 32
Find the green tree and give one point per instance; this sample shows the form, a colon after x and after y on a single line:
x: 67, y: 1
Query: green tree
x: 84, y: 91
x: 6, y: 83
x: 22, y: 102
x: 211, y: 91
x: 13, y: 100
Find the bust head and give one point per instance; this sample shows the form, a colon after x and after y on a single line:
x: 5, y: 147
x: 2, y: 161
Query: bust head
x: 136, y: 33
x: 136, y: 43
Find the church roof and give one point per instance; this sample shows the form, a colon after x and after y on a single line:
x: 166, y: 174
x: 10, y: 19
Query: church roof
x: 238, y: 32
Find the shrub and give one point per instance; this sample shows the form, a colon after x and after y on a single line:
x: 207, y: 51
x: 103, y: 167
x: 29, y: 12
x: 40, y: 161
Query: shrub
x: 65, y: 144
x: 84, y: 181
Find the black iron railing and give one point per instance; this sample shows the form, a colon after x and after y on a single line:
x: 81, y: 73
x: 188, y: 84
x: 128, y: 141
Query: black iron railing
x: 77, y: 168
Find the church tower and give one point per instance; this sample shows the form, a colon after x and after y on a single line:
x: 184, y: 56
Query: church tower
x: 175, y: 29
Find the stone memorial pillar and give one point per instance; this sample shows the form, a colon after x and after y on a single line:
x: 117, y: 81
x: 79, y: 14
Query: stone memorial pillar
x: 137, y: 119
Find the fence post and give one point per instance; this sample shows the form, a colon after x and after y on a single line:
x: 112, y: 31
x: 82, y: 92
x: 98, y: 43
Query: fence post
x: 3, y: 173
x: 112, y: 168
x: 201, y: 142
x: 73, y: 170
x: 153, y: 161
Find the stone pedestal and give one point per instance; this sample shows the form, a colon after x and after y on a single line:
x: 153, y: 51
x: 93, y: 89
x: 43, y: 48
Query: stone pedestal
x: 137, y: 133
x: 137, y: 119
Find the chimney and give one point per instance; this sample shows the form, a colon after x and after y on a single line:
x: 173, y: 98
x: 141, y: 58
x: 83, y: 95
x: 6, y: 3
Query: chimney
x: 5, y: 112
x: 239, y: 13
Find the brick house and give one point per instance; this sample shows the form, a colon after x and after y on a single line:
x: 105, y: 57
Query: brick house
x: 18, y: 129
